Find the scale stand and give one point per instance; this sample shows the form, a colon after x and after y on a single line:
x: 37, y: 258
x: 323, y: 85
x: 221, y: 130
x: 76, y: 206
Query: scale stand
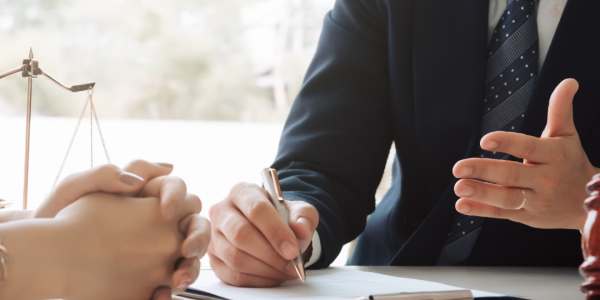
x: 30, y: 70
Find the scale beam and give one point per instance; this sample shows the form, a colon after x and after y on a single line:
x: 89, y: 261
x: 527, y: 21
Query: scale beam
x: 14, y: 71
x: 75, y: 88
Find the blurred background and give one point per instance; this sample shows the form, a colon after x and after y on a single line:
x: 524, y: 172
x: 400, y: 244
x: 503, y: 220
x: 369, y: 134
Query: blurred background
x: 234, y: 60
x: 203, y: 84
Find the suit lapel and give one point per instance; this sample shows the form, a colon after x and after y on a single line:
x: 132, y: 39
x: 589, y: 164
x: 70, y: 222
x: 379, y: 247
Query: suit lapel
x: 449, y: 48
x: 572, y: 54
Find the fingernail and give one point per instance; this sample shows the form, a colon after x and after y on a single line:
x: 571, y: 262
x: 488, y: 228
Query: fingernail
x: 289, y: 251
x: 490, y: 145
x: 185, y: 280
x: 291, y: 270
x: 466, y: 190
x: 464, y: 208
x: 305, y: 222
x: 130, y: 178
x: 165, y: 165
x: 172, y: 210
x: 465, y: 171
x: 193, y: 249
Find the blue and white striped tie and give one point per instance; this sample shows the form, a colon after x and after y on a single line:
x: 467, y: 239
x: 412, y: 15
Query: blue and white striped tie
x: 511, y: 69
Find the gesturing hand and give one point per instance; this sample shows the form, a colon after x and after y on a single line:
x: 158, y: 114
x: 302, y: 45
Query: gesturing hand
x: 553, y: 174
x: 251, y: 245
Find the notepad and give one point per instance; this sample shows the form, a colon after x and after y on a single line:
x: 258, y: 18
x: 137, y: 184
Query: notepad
x: 327, y: 284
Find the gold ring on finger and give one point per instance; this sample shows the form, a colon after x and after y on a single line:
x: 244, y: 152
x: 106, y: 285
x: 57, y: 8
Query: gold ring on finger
x: 524, y: 199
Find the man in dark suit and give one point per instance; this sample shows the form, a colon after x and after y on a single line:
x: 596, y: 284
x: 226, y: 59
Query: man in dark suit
x: 459, y: 101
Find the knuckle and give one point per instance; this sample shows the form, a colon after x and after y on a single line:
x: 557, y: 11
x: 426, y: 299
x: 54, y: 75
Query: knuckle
x: 211, y: 248
x: 70, y: 177
x: 239, y: 278
x: 481, y: 170
x: 550, y: 181
x: 236, y: 259
x: 513, y: 176
x: 240, y: 234
x: 276, y: 261
x: 542, y: 205
x: 106, y: 169
x: 496, y: 212
x: 305, y: 209
x: 240, y: 188
x: 276, y: 233
x: 258, y: 209
x: 136, y: 163
x: 483, y: 192
x: 529, y: 148
x: 214, y: 211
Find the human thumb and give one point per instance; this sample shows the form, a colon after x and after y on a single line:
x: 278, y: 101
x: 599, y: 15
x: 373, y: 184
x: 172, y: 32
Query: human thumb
x: 304, y: 219
x: 560, y: 110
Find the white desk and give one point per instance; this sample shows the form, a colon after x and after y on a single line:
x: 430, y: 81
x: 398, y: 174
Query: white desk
x: 529, y: 283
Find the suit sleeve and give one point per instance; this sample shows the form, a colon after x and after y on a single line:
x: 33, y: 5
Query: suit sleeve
x: 337, y: 138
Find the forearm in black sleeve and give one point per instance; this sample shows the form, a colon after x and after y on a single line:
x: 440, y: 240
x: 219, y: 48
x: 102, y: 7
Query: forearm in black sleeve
x: 338, y: 135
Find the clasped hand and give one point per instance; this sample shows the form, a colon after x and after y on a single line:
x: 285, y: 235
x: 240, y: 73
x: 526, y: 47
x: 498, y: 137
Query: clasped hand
x: 138, y: 223
x: 552, y: 176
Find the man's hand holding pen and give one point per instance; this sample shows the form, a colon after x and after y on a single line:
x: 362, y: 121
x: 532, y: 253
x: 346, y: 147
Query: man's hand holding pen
x: 251, y: 245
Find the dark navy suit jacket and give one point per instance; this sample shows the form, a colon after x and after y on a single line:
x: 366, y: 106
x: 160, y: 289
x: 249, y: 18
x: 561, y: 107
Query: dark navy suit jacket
x: 412, y: 72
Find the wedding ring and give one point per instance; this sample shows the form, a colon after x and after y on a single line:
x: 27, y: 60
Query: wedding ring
x: 524, y: 199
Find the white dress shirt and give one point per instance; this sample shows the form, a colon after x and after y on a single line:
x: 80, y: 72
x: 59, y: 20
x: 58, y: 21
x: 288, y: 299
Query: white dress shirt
x: 548, y: 16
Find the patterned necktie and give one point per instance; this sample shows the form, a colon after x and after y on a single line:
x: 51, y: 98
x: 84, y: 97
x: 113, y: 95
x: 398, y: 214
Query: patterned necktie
x: 511, y: 69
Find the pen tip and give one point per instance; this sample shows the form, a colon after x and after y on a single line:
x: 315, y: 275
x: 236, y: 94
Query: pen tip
x: 300, y: 270
x: 30, y: 52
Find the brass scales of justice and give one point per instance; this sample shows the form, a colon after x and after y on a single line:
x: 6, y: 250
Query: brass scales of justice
x: 30, y: 70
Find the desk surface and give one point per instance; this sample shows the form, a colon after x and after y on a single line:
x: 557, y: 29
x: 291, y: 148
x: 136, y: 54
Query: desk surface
x: 529, y: 283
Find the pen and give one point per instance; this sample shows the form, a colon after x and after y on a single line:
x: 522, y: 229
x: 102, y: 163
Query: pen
x: 439, y: 295
x: 271, y: 185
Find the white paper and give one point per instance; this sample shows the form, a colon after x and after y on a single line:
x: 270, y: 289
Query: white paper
x: 324, y: 285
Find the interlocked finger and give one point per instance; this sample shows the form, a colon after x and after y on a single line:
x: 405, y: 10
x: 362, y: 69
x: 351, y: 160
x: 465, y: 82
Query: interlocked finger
x: 187, y: 272
x: 492, y: 194
x: 172, y: 192
x: 104, y: 178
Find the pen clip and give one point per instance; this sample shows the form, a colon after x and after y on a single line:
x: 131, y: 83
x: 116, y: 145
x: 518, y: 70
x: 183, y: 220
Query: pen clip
x: 279, y: 195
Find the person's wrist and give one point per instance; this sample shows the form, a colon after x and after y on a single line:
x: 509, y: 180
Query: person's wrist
x: 36, y: 252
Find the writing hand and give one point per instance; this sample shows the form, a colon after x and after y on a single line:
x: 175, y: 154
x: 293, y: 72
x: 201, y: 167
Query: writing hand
x: 553, y: 174
x: 251, y: 245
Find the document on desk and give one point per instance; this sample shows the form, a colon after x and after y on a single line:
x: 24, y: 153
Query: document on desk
x: 327, y: 284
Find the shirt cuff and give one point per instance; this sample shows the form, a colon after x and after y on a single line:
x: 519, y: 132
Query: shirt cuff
x: 316, y: 253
